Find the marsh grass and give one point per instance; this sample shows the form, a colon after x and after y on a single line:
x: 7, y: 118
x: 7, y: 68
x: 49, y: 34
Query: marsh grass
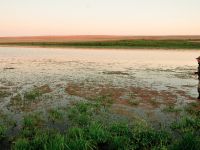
x: 23, y: 102
x: 6, y: 124
x: 32, y: 95
x: 133, y: 100
x: 3, y: 131
x: 103, y: 100
x: 21, y: 144
x: 154, y: 102
x: 188, y: 140
x: 33, y: 121
x: 88, y: 130
x: 188, y: 131
x: 17, y: 102
x: 82, y: 114
x: 4, y: 94
x: 56, y: 115
x: 172, y: 108
x: 187, y: 124
x: 193, y: 108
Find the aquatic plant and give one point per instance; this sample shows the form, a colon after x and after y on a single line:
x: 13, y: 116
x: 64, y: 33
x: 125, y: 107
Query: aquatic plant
x: 188, y: 141
x: 79, y: 144
x: 32, y: 95
x: 55, y: 115
x: 171, y: 108
x: 88, y: 129
x: 21, y: 144
x: 188, y: 130
x: 32, y: 120
x: 104, y: 100
x: 3, y: 130
x: 193, y: 108
x: 154, y: 102
x: 98, y: 133
x: 17, y: 102
x: 134, y: 102
x: 4, y: 94
x: 77, y: 139
x: 187, y: 124
x: 80, y: 114
x: 48, y: 141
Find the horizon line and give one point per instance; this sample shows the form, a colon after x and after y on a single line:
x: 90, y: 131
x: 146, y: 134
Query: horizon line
x: 99, y: 35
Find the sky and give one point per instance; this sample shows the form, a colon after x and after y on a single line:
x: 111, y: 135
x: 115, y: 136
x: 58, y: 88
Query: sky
x: 99, y: 17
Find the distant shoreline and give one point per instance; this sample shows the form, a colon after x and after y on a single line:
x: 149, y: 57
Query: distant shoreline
x: 119, y: 44
x: 108, y: 42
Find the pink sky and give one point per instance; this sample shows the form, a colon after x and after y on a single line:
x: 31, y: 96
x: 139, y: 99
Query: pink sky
x: 99, y: 17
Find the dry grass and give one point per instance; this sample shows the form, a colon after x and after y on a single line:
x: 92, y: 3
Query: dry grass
x: 82, y: 38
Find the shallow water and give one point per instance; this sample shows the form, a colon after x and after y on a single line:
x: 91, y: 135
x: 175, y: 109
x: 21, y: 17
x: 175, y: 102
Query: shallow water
x: 154, y: 66
x: 23, y: 68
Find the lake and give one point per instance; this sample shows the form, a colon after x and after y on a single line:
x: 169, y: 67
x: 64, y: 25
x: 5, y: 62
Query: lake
x: 68, y: 74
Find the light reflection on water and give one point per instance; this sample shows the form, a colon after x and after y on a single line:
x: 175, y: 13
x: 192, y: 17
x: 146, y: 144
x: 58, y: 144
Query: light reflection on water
x: 143, y: 57
x: 152, y: 68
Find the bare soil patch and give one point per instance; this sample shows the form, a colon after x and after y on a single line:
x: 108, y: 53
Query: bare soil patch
x: 130, y: 96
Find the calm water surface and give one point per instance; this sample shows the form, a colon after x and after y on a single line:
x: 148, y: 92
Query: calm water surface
x: 154, y: 68
x: 22, y: 69
x: 171, y: 58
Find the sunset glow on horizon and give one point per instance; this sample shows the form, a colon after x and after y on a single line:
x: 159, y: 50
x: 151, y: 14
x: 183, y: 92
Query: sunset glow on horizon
x: 99, y: 17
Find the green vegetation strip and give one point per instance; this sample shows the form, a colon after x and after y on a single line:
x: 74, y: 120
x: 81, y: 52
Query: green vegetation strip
x: 91, y: 126
x: 129, y: 44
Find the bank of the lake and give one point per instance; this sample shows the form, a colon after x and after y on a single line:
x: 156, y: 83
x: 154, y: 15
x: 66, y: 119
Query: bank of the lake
x: 117, y: 44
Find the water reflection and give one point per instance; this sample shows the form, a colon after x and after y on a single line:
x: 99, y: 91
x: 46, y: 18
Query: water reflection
x: 157, y: 69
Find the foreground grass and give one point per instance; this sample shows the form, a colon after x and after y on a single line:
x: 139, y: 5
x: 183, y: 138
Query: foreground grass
x: 157, y: 44
x: 90, y: 126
